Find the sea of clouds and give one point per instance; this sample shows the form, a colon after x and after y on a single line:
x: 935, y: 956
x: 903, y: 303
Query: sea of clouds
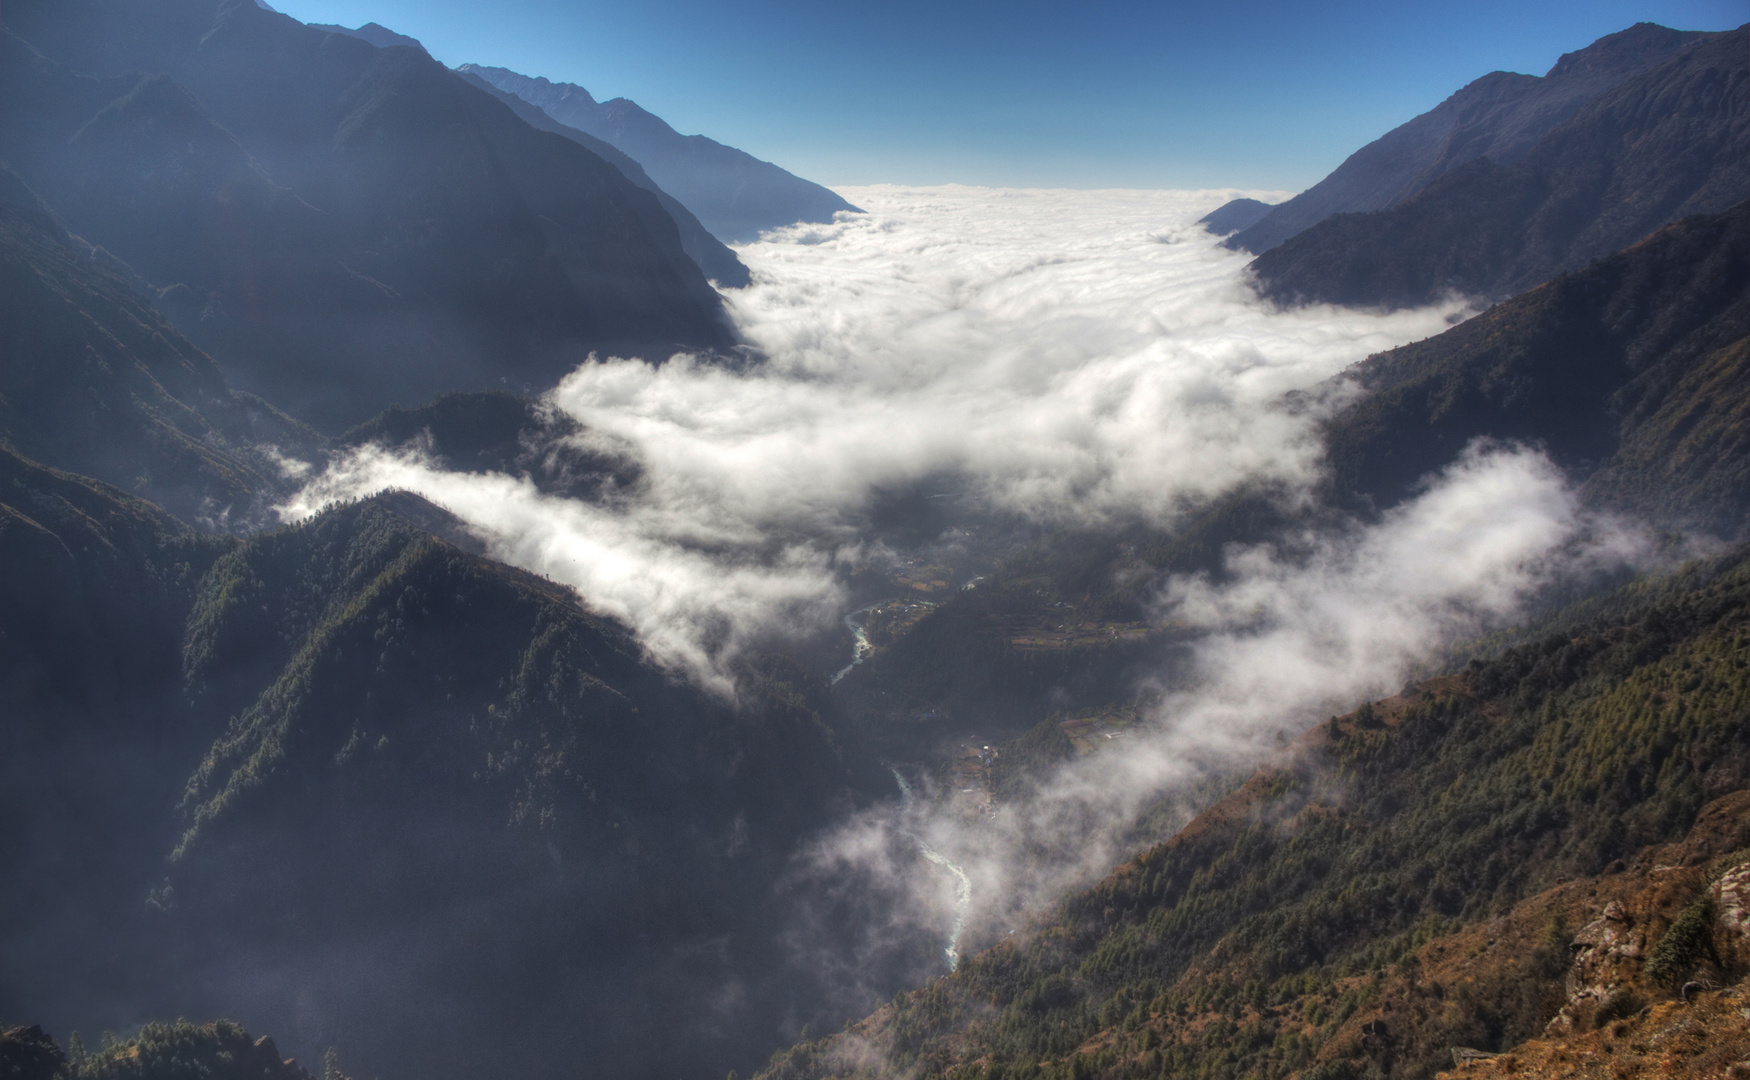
x: 1062, y: 357
x: 1065, y: 356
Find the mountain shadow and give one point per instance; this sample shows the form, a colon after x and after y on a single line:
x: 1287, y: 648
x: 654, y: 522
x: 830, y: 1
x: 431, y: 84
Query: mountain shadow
x: 355, y: 758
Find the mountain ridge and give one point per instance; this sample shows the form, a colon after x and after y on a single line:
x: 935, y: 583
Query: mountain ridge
x: 736, y: 195
x: 1669, y: 142
x: 100, y: 384
x: 1500, y: 116
x: 718, y: 262
x: 387, y: 233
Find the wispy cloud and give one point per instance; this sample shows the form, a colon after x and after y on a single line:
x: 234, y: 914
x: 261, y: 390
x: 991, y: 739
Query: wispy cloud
x: 1314, y: 624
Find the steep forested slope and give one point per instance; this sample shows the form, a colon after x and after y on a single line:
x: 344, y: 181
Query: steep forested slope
x: 1672, y: 141
x: 1630, y: 373
x: 95, y: 587
x: 1379, y: 895
x: 178, y: 1051
x: 401, y: 765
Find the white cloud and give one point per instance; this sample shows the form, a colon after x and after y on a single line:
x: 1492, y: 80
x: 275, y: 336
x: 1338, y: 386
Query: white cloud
x: 1058, y: 355
x: 1297, y: 630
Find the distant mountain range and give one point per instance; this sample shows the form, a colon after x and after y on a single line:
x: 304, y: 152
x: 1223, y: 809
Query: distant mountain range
x: 375, y: 33
x: 735, y: 194
x: 716, y: 260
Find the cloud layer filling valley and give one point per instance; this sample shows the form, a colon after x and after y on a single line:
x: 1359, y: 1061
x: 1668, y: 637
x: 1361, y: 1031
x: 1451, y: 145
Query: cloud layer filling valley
x: 1063, y: 356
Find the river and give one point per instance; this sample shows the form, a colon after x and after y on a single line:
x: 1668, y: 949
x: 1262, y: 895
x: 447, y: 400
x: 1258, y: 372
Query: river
x: 962, y: 886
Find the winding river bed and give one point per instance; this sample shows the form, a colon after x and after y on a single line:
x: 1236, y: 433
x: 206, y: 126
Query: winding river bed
x: 962, y: 884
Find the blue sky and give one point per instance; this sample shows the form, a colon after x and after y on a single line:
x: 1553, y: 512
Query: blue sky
x: 1231, y: 93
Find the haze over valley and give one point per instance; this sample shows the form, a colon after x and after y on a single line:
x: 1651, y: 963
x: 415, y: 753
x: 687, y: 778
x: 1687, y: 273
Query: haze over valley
x: 492, y: 585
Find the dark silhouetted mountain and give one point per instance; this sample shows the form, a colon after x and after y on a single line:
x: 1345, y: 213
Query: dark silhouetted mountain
x: 95, y: 381
x: 1234, y: 215
x: 486, y: 754
x: 1669, y: 142
x: 375, y: 33
x: 95, y: 586
x: 400, y: 764
x: 1501, y: 116
x: 1632, y: 373
x: 716, y: 260
x: 736, y: 195
x: 351, y: 227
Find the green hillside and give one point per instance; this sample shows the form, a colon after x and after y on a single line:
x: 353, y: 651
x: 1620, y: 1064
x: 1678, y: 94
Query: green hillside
x: 1246, y: 944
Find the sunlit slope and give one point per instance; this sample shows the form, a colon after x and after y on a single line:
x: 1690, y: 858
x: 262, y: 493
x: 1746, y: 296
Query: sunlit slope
x: 1670, y: 142
x: 1321, y: 894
